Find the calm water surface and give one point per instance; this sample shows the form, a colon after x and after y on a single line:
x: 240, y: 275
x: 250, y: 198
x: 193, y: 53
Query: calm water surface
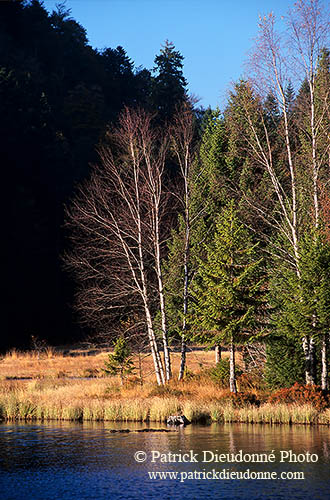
x: 63, y: 461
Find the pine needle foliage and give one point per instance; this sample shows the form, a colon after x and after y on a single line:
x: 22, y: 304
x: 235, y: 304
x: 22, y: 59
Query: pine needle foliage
x: 206, y: 197
x: 304, y: 301
x: 120, y: 362
x: 285, y: 363
x: 228, y: 291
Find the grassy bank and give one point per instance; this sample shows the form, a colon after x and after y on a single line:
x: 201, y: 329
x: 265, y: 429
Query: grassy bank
x: 99, y: 400
x: 24, y: 406
x: 50, y: 395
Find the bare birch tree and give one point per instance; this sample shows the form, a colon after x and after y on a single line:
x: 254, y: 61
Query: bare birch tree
x: 117, y: 236
x: 276, y: 62
x: 182, y: 135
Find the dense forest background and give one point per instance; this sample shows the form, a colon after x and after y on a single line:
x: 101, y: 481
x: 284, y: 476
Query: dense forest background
x: 58, y: 96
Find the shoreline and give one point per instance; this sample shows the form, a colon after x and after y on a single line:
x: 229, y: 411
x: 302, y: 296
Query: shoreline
x: 15, y: 408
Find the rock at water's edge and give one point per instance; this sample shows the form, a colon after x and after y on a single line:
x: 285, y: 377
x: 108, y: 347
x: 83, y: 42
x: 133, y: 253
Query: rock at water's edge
x: 177, y: 420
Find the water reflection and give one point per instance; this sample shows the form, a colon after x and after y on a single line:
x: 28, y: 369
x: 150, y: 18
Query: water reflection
x: 64, y: 461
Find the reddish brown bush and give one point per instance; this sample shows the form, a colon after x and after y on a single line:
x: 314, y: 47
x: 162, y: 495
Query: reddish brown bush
x: 301, y: 394
x: 240, y: 399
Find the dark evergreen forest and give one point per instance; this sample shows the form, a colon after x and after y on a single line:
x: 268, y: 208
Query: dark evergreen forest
x: 58, y: 96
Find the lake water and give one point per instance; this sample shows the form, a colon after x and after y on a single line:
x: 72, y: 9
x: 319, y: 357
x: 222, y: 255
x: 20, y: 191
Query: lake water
x: 66, y: 461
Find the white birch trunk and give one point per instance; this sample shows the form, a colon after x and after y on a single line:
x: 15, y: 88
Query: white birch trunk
x: 185, y: 283
x: 232, y: 376
x: 154, y: 179
x: 154, y: 349
x: 217, y: 353
x: 309, y: 353
x: 324, y: 355
x: 167, y: 359
x: 151, y: 334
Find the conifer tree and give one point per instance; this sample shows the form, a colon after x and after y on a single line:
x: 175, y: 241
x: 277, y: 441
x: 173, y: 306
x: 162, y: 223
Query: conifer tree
x: 303, y: 303
x: 120, y: 362
x: 169, y: 84
x: 202, y: 197
x: 285, y: 361
x: 228, y: 290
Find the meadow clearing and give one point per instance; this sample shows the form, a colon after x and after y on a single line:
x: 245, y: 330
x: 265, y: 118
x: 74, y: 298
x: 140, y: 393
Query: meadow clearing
x: 71, y: 385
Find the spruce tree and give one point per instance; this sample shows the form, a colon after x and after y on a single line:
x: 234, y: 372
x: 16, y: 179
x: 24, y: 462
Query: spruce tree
x: 303, y: 302
x: 228, y: 290
x: 202, y: 199
x: 120, y: 362
x: 285, y: 362
x: 169, y: 84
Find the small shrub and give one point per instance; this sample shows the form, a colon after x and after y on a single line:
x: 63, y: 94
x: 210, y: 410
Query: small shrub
x: 240, y: 399
x: 165, y: 391
x: 220, y: 373
x: 252, y: 380
x: 244, y: 398
x: 120, y: 362
x: 91, y: 373
x: 301, y: 394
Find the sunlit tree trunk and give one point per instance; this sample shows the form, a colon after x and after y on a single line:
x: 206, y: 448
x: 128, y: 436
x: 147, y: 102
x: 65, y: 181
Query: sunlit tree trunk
x: 182, y: 143
x: 232, y: 376
x: 217, y: 353
x: 309, y: 353
x: 155, y: 164
x: 324, y: 355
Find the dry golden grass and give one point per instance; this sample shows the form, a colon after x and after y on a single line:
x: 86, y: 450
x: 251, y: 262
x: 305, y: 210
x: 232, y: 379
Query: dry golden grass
x: 97, y: 399
x: 52, y: 363
x: 53, y: 386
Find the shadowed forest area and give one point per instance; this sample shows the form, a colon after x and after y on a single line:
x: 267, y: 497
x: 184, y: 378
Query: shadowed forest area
x: 58, y: 96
